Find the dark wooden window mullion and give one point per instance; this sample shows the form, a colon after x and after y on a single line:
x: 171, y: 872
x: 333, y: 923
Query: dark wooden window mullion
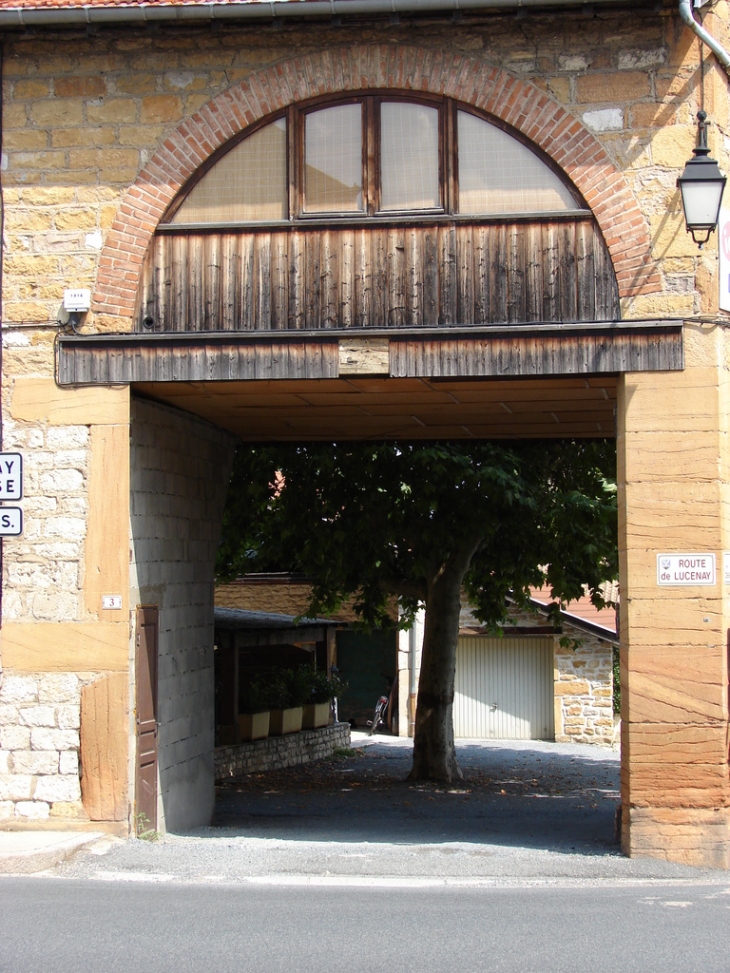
x: 295, y: 169
x: 443, y: 130
x: 374, y: 161
x: 451, y: 160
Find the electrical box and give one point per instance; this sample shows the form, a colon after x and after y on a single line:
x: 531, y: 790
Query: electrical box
x: 76, y: 299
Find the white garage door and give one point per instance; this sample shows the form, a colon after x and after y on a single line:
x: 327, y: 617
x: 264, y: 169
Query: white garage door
x: 504, y: 689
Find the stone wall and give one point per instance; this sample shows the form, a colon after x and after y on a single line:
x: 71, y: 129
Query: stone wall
x: 179, y: 482
x: 275, y: 753
x: 584, y: 689
x: 78, y: 131
x: 583, y: 676
x: 43, y: 569
x: 58, y: 643
x: 39, y: 748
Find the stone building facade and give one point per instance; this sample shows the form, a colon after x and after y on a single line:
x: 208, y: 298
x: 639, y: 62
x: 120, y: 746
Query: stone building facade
x: 101, y: 129
x: 581, y: 670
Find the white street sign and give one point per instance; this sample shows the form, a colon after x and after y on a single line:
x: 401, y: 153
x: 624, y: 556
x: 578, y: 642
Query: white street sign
x: 11, y: 521
x: 11, y: 476
x: 685, y: 569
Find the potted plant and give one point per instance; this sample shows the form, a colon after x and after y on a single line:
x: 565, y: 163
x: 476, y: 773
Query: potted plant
x: 321, y: 692
x: 254, y: 706
x: 290, y: 691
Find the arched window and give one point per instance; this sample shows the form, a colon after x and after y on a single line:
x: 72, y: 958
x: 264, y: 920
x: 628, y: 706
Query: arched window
x: 376, y: 156
x: 377, y: 210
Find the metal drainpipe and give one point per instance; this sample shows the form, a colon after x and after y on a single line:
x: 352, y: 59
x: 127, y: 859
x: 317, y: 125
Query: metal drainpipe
x: 685, y: 12
x: 255, y: 9
x: 412, y: 682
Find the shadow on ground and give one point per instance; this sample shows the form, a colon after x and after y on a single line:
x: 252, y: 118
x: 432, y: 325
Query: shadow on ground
x: 531, y: 795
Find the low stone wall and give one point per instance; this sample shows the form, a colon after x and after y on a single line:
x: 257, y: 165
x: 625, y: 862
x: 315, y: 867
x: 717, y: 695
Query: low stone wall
x: 275, y: 753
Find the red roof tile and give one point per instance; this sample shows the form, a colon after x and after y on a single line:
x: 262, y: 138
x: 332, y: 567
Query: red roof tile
x: 582, y: 608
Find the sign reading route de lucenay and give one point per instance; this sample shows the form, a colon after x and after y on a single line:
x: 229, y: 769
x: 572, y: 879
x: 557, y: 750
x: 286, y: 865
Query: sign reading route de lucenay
x: 685, y: 569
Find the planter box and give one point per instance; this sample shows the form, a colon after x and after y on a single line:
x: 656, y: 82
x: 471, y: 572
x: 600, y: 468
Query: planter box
x: 316, y: 715
x: 285, y: 721
x: 254, y: 726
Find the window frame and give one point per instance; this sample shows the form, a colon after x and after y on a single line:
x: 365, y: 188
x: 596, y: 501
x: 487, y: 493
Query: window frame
x: 372, y: 214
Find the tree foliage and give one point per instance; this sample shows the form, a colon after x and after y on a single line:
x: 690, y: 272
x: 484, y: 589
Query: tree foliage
x: 420, y: 521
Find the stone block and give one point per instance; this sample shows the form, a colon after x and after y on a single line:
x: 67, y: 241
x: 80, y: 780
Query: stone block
x: 62, y: 481
x: 7, y: 810
x: 612, y: 88
x: 53, y: 789
x: 44, y: 739
x: 67, y: 437
x: 68, y: 809
x: 641, y: 60
x: 572, y: 687
x: 59, y: 688
x: 604, y: 119
x: 19, y: 689
x: 15, y: 787
x: 4, y: 761
x: 690, y: 836
x: 160, y: 108
x: 113, y: 111
x: 81, y: 86
x: 57, y: 113
x: 37, y: 716
x: 32, y: 810
x: 68, y: 762
x: 32, y: 88
x: 9, y: 714
x: 15, y: 738
x: 67, y: 717
x: 35, y: 762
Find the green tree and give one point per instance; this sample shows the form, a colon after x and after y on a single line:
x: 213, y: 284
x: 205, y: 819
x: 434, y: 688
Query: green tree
x: 421, y: 521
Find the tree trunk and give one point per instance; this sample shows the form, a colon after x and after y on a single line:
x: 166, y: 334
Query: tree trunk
x: 434, y: 754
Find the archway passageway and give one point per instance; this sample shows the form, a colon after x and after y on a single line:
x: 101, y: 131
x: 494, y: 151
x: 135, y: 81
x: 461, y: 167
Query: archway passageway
x: 357, y: 310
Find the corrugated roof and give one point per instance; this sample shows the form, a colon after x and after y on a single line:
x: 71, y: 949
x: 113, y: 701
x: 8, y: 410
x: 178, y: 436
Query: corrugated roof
x: 238, y: 618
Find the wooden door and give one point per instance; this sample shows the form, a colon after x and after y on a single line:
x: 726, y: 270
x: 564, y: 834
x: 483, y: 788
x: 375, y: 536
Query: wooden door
x: 146, y: 715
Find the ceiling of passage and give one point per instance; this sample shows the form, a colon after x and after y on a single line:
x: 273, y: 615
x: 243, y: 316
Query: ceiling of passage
x: 388, y: 408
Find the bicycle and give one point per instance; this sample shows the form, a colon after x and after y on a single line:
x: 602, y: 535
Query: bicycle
x: 381, y: 708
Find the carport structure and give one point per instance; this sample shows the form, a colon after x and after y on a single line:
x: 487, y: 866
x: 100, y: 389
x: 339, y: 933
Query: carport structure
x: 369, y: 315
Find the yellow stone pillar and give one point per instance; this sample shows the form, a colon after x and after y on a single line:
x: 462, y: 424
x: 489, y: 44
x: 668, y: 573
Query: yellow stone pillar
x: 673, y: 473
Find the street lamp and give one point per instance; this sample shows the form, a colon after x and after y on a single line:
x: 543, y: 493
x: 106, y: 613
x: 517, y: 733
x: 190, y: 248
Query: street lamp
x: 701, y: 185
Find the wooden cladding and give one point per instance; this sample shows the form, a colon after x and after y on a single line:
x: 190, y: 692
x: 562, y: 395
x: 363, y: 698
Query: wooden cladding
x: 314, y: 278
x: 532, y: 350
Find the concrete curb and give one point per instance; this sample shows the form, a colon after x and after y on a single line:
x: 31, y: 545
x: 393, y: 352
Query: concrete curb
x: 25, y: 852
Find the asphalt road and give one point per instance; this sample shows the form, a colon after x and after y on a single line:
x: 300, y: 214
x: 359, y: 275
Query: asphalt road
x: 54, y: 925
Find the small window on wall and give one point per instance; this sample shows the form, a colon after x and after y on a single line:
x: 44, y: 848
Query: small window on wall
x: 377, y: 157
x: 248, y: 184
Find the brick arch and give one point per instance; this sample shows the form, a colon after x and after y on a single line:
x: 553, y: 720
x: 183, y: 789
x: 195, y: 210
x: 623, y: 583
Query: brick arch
x: 519, y: 103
